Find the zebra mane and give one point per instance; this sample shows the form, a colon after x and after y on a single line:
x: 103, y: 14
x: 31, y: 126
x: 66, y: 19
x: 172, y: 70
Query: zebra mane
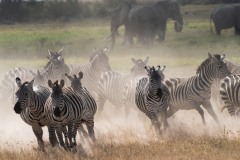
x: 207, y: 61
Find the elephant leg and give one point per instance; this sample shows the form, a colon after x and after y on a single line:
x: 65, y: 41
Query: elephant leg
x: 162, y: 31
x: 218, y: 30
x: 237, y: 30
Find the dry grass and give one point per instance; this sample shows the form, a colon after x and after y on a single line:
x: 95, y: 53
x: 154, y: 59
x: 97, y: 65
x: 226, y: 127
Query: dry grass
x: 120, y: 137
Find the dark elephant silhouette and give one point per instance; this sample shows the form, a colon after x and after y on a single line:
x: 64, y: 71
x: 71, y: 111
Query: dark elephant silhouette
x: 145, y: 21
x: 226, y: 17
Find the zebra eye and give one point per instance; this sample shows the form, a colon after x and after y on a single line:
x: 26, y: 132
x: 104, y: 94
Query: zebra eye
x: 25, y: 94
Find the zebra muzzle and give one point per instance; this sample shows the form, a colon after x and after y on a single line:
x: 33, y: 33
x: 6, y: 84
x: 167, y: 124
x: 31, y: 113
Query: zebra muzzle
x: 159, y: 93
x: 17, y: 108
x: 57, y: 111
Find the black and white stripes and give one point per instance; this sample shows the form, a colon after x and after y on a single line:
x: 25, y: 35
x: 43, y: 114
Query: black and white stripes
x: 190, y: 93
x: 30, y: 105
x: 152, y: 97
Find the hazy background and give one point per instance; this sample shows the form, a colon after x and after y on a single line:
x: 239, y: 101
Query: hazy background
x: 32, y: 27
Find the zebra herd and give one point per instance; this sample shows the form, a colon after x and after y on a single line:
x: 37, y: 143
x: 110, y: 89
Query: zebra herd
x: 65, y: 97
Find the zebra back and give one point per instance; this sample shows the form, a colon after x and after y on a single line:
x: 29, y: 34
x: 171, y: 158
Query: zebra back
x: 98, y: 65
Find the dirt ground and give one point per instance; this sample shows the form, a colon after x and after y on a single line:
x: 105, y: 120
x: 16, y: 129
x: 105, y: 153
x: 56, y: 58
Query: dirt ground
x: 116, y: 127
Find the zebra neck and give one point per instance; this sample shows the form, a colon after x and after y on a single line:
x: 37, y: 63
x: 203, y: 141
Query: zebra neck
x: 206, y: 79
x: 35, y: 104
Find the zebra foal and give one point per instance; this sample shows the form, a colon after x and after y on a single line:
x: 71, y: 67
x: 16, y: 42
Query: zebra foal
x: 65, y: 109
x: 190, y: 93
x: 88, y: 116
x: 152, y: 96
x: 30, y: 106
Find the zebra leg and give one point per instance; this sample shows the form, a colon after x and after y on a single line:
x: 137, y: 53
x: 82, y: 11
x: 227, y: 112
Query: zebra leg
x: 155, y: 122
x: 164, y: 119
x: 82, y: 130
x: 171, y: 111
x: 60, y: 138
x: 37, y: 130
x: 65, y: 132
x: 52, y: 136
x: 208, y: 106
x: 90, y: 127
x: 101, y: 101
x: 201, y: 112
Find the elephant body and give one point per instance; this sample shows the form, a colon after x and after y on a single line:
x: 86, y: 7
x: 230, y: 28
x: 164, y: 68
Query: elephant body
x: 226, y: 17
x: 146, y: 21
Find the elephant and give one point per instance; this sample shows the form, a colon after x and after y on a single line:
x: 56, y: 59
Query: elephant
x: 146, y: 21
x: 226, y: 17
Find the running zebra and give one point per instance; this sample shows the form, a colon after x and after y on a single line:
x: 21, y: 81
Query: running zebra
x: 65, y: 109
x: 87, y: 117
x: 98, y: 64
x: 30, y: 106
x: 113, y: 85
x: 54, y: 69
x: 152, y: 97
x: 229, y: 93
x: 190, y: 93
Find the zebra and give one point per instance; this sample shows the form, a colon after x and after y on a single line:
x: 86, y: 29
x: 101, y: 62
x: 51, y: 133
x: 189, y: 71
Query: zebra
x: 190, y: 93
x: 234, y: 69
x: 229, y: 93
x: 113, y: 85
x: 30, y: 106
x: 64, y: 108
x: 8, y: 85
x: 55, y: 68
x: 98, y: 64
x: 88, y: 117
x: 152, y: 97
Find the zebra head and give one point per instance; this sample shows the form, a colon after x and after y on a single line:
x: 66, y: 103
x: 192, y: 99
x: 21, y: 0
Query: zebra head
x: 220, y: 66
x: 24, y: 95
x: 155, y: 80
x: 138, y: 68
x: 57, y: 56
x: 99, y: 60
x: 57, y: 96
x: 75, y: 81
x: 39, y: 78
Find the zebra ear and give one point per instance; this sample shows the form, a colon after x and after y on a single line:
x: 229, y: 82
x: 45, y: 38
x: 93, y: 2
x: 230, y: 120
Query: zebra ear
x: 106, y: 49
x: 162, y: 68
x: 62, y: 83
x: 31, y: 83
x: 80, y: 74
x: 50, y: 84
x: 147, y: 69
x: 134, y: 60
x: 146, y: 60
x: 61, y: 51
x: 222, y: 57
x: 18, y: 81
x: 69, y: 77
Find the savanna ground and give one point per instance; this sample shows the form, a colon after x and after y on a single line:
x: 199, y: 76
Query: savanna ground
x: 120, y: 137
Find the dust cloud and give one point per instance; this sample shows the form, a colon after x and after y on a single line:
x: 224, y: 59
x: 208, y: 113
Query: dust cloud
x: 115, y: 127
